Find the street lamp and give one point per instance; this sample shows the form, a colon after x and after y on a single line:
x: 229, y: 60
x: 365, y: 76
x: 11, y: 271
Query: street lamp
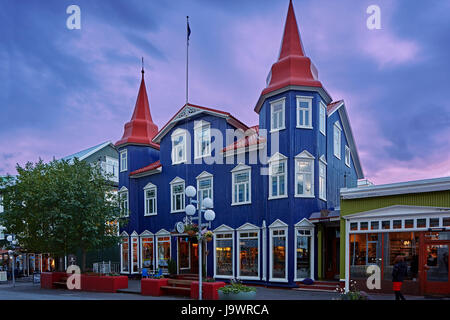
x: 10, y: 238
x: 190, y: 209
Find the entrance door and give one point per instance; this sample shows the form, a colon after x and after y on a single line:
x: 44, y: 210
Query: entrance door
x: 437, y: 276
x: 184, y: 254
x: 332, y: 246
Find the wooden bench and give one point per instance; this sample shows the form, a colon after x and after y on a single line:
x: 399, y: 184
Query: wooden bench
x: 181, y: 287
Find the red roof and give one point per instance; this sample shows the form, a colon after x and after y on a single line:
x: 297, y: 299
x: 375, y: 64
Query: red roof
x: 150, y: 167
x: 249, y: 140
x: 140, y: 129
x: 333, y: 105
x: 292, y: 67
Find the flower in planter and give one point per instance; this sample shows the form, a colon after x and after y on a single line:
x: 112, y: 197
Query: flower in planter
x: 191, y: 229
x: 235, y: 287
x: 208, y: 235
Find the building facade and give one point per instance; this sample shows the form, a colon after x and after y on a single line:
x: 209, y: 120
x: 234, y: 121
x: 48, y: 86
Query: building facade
x: 267, y: 181
x: 410, y: 219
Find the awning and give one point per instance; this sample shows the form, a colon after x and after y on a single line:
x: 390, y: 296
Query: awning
x: 325, y: 215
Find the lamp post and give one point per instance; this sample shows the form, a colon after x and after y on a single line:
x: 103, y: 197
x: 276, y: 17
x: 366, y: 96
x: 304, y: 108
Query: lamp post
x: 13, y: 242
x: 210, y: 215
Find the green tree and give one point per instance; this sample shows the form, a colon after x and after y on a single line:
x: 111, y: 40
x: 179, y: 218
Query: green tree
x: 59, y: 207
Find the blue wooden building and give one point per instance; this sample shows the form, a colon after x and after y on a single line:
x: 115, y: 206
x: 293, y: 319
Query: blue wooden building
x: 275, y: 186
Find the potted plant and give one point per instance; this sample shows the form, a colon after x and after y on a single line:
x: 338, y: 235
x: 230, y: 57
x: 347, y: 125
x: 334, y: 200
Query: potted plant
x: 236, y: 291
x: 191, y: 229
x: 172, y: 267
x: 208, y: 235
x: 352, y: 294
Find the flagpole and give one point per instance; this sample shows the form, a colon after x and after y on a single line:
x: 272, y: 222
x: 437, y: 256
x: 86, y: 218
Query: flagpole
x: 187, y: 59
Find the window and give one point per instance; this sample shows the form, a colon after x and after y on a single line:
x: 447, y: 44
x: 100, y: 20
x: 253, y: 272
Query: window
x: 205, y: 189
x: 147, y: 252
x: 202, y: 137
x: 163, y: 252
x: 278, y: 179
x: 278, y: 254
x: 124, y: 206
x: 1, y: 204
x: 178, y: 146
x: 323, y: 118
x: 177, y: 191
x: 134, y: 255
x: 322, y: 180
x: 124, y: 255
x: 337, y: 140
x: 347, y: 156
x: 224, y: 254
x: 304, y: 112
x: 241, y: 187
x: 249, y: 254
x: 303, y: 254
x: 150, y: 200
x: 277, y: 115
x: 304, y: 172
x: 123, y: 160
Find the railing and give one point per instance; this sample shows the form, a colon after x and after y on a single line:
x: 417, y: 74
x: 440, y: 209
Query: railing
x: 106, y: 267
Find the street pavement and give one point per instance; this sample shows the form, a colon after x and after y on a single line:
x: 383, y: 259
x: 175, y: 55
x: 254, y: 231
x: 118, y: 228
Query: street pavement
x: 30, y: 291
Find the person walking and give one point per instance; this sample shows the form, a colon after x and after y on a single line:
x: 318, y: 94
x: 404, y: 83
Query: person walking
x: 398, y: 275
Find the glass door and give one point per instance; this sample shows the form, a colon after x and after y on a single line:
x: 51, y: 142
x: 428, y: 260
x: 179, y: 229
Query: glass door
x: 437, y: 277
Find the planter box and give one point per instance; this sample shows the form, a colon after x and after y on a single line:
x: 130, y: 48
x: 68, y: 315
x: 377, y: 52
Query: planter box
x: 103, y: 283
x: 47, y: 279
x: 209, y: 290
x: 152, y: 287
x: 237, y: 296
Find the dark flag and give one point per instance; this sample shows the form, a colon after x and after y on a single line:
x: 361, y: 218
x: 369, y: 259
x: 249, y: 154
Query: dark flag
x: 188, y: 29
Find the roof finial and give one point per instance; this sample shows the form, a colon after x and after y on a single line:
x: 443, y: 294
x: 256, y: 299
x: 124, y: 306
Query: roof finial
x: 142, y: 66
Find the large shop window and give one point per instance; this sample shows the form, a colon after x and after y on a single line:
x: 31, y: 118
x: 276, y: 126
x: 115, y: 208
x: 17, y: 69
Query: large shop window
x: 147, y: 253
x: 163, y: 253
x: 124, y: 255
x: 224, y: 254
x: 134, y: 254
x: 249, y: 255
x: 279, y: 254
x: 303, y: 254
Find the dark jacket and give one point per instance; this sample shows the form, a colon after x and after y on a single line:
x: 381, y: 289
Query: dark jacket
x: 399, y: 272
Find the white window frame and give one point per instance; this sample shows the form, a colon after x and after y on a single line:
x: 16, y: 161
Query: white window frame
x: 246, y: 229
x: 304, y: 156
x: 337, y: 140
x: 177, y: 133
x: 299, y: 109
x: 175, y: 182
x: 198, y: 139
x: 124, y: 160
x: 278, y: 226
x: 241, y: 168
x: 323, y: 184
x: 148, y: 187
x: 204, y: 176
x: 323, y: 118
x: 223, y: 229
x: 347, y: 156
x: 146, y: 235
x: 304, y: 224
x: 276, y: 159
x: 134, y: 236
x: 123, y: 191
x: 162, y: 234
x: 274, y: 128
x: 123, y: 235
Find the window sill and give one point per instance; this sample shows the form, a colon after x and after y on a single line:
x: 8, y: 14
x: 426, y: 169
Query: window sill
x: 276, y: 130
x: 304, y: 127
x: 241, y: 203
x: 178, y: 211
x: 223, y: 277
x: 150, y: 214
x: 125, y: 170
x: 304, y: 196
x: 348, y: 165
x: 278, y: 197
x: 277, y: 280
x: 201, y: 157
x: 180, y: 162
x: 338, y: 157
x: 248, y: 278
x: 324, y: 133
x: 323, y: 199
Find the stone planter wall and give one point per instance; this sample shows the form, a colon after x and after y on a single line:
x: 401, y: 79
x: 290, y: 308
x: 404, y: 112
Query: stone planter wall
x: 152, y: 287
x: 209, y: 290
x: 47, y: 279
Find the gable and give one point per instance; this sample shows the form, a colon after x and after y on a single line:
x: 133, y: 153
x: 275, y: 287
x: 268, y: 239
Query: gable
x: 396, y: 211
x: 248, y: 226
x: 304, y: 223
x: 278, y: 224
x: 223, y: 228
x: 146, y: 233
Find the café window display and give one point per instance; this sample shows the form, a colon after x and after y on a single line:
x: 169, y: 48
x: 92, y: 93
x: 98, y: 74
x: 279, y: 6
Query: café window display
x: 147, y: 252
x: 365, y: 249
x: 134, y: 254
x: 404, y: 244
x: 124, y: 255
x: 278, y: 251
x: 303, y: 253
x: 163, y: 252
x: 224, y: 255
x: 249, y: 254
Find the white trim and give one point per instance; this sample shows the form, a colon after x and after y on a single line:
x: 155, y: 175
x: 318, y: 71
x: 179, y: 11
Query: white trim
x: 161, y: 234
x: 146, y: 235
x: 347, y: 159
x: 248, y: 227
x: 174, y: 182
x: 179, y: 132
x: 347, y: 256
x: 307, y: 99
x: 134, y: 236
x: 121, y: 153
x: 276, y: 159
x: 241, y: 168
x: 324, y: 165
x: 150, y: 186
x: 198, y: 126
x: 121, y: 192
x: 272, y: 103
x: 304, y: 224
x: 304, y: 156
x: 224, y: 229
x: 323, y: 107
x: 279, y: 225
x: 124, y: 235
x: 204, y: 176
x: 337, y: 149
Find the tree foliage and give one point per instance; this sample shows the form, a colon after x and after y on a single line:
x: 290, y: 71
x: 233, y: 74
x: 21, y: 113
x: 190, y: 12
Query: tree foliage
x: 59, y: 207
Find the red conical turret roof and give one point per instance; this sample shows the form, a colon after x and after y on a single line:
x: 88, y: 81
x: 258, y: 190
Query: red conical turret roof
x: 292, y: 67
x: 140, y: 129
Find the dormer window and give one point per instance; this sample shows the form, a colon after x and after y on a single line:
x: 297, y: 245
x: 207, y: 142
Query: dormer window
x: 179, y: 146
x: 337, y: 140
x: 123, y: 160
x: 304, y: 112
x: 202, y: 137
x: 277, y: 115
